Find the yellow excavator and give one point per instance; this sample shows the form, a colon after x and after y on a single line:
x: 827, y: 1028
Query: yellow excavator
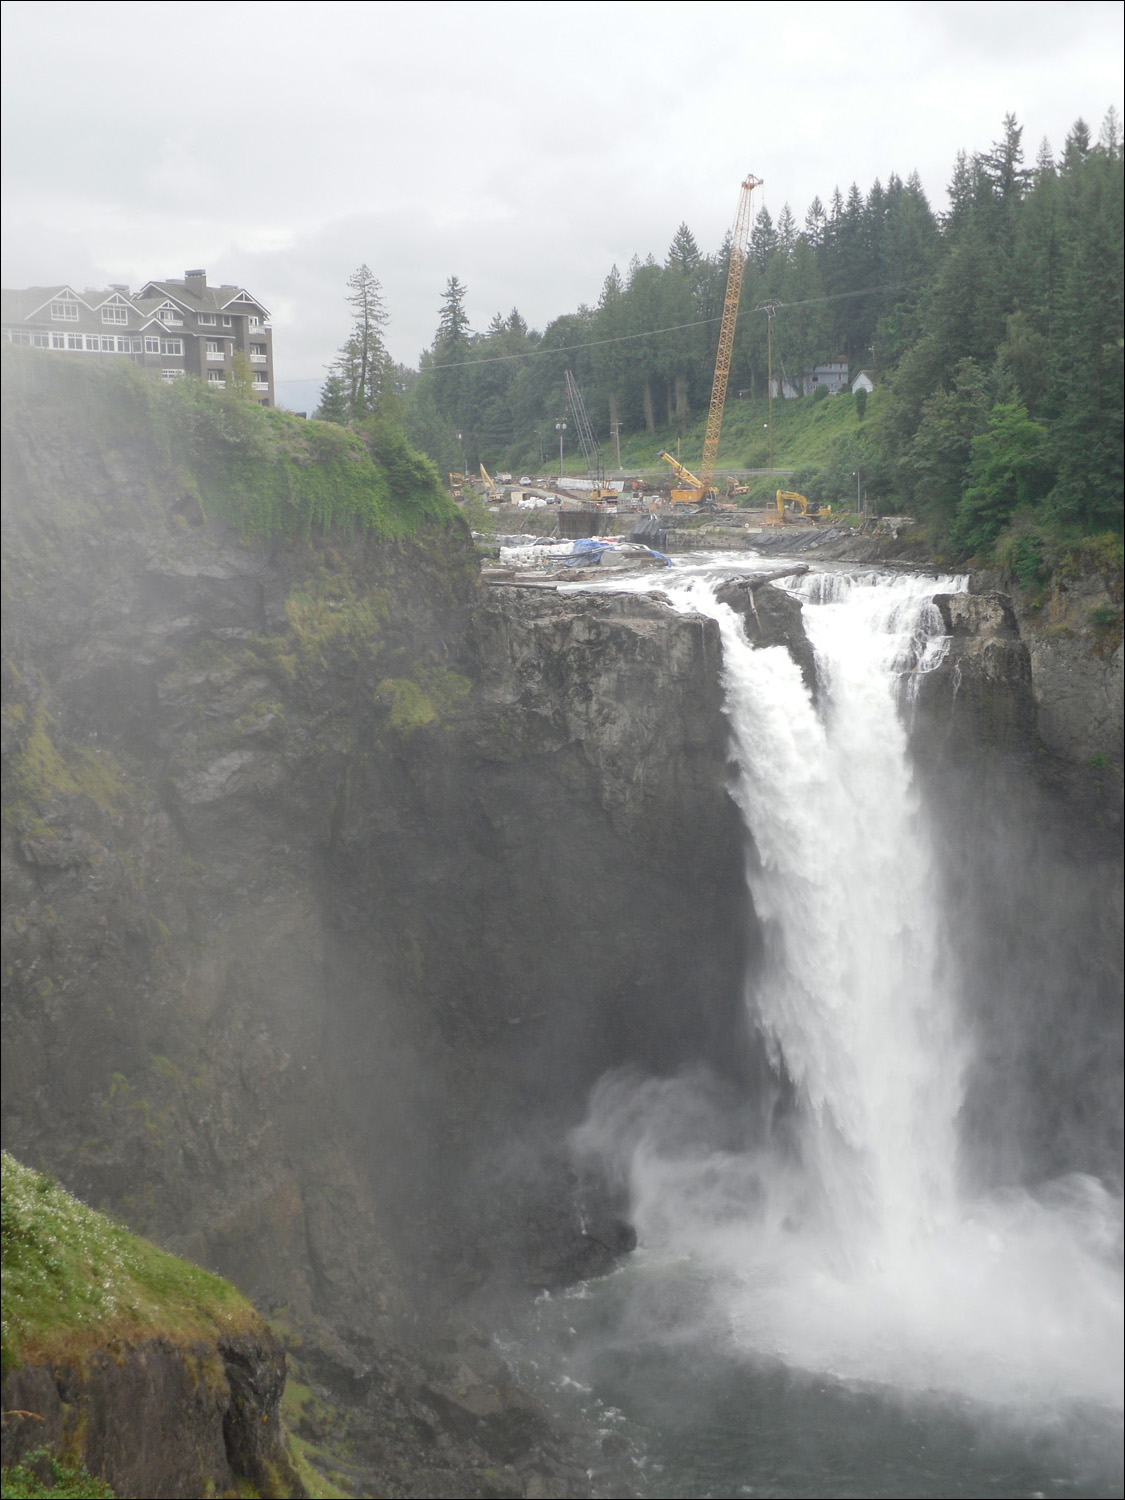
x: 491, y: 488
x: 693, y: 489
x: 811, y: 510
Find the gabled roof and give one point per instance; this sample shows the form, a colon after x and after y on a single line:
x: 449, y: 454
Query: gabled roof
x: 42, y: 295
x: 243, y: 296
x: 209, y: 299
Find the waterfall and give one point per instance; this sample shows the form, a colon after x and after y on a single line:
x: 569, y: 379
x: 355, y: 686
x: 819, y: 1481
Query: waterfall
x: 846, y: 1244
x: 852, y: 996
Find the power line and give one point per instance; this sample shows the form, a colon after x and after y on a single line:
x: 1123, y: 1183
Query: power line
x: 625, y: 338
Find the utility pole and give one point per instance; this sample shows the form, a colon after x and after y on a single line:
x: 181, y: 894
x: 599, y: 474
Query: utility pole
x: 769, y: 308
x: 560, y: 428
x: 615, y: 432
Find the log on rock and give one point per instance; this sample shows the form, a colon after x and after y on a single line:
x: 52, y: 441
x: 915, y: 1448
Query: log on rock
x: 756, y: 582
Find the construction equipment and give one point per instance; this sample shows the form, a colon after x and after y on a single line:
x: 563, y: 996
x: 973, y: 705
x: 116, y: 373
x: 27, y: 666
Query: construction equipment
x: 692, y: 490
x: 491, y: 489
x: 456, y: 483
x: 696, y: 491
x: 812, y: 510
x: 735, y: 489
x: 595, y: 468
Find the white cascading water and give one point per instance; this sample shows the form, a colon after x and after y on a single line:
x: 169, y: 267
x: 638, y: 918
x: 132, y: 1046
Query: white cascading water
x: 855, y: 1254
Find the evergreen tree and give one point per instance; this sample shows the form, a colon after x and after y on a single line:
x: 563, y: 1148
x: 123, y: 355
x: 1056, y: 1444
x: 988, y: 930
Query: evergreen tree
x: 356, y: 379
x: 453, y: 320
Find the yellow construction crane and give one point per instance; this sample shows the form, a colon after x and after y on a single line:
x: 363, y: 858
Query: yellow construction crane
x: 693, y: 490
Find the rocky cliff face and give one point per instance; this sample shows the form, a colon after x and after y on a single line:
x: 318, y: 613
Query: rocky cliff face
x: 1018, y: 741
x: 332, y: 881
x: 160, y: 1420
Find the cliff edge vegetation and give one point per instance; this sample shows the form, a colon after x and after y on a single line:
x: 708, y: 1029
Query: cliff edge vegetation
x: 121, y: 1360
x: 265, y: 472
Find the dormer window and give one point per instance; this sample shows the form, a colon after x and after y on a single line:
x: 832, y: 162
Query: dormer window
x: 115, y: 313
x: 64, y: 312
x: 170, y: 317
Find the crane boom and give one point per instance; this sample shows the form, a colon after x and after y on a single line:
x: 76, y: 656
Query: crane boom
x: 595, y: 468
x: 723, y: 354
x: 726, y: 331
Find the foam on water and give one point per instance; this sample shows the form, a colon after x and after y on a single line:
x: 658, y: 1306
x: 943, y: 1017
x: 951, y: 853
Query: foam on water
x: 851, y: 1250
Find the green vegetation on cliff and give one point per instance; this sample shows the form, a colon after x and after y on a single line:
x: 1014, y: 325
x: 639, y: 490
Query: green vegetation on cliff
x: 265, y: 472
x: 126, y: 1363
x: 74, y: 1281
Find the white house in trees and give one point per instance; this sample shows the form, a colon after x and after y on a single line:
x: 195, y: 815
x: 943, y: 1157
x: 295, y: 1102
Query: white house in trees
x: 831, y: 376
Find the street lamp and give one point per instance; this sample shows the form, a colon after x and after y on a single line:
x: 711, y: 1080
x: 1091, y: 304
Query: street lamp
x: 857, y: 476
x: 560, y: 428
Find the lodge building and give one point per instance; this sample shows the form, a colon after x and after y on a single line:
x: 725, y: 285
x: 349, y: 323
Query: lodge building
x: 174, y: 327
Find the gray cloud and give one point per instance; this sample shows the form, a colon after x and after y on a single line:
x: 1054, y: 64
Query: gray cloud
x: 524, y: 148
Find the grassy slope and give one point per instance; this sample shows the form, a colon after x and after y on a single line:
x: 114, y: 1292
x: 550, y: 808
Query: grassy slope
x: 804, y: 434
x: 266, y: 472
x: 73, y: 1281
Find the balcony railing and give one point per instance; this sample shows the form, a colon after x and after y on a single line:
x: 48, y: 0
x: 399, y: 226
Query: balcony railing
x: 258, y: 359
x: 261, y: 385
x: 216, y: 354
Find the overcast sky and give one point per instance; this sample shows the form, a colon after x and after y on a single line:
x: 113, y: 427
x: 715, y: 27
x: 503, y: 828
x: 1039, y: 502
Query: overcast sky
x: 524, y: 148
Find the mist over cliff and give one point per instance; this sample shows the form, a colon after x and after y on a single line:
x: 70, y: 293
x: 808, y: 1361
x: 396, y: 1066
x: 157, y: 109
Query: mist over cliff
x: 334, y: 880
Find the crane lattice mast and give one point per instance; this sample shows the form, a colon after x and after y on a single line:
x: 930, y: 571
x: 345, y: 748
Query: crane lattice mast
x: 726, y: 332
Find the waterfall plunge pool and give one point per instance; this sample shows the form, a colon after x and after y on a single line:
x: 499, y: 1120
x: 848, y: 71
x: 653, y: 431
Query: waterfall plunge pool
x: 829, y: 1312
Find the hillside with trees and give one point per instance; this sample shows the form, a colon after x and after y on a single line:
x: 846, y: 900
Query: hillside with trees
x: 992, y: 332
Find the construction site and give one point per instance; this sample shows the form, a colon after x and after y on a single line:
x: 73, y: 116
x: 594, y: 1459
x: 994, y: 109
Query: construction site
x: 677, y: 508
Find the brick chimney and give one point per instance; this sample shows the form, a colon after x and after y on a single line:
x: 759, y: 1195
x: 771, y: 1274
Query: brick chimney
x: 196, y: 281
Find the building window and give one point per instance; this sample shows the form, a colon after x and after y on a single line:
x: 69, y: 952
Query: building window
x: 258, y: 354
x: 172, y: 347
x: 170, y: 318
x: 40, y: 340
x: 171, y: 375
x: 206, y: 320
x: 92, y: 343
x: 58, y: 341
x: 18, y: 336
x: 255, y: 322
x: 216, y: 377
x: 124, y: 346
x: 109, y: 344
x: 227, y: 321
x: 115, y: 314
x: 215, y: 349
x: 64, y: 312
x: 74, y: 341
x: 152, y: 346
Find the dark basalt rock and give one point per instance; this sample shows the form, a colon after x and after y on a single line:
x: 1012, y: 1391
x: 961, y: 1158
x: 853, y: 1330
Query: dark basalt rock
x: 156, y: 1419
x: 772, y: 618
